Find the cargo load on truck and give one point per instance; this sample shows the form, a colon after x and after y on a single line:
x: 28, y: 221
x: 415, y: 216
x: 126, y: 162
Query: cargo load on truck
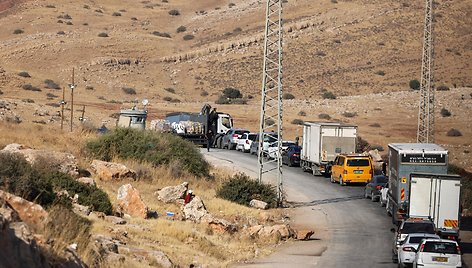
x: 322, y: 142
x: 436, y: 197
x: 407, y: 158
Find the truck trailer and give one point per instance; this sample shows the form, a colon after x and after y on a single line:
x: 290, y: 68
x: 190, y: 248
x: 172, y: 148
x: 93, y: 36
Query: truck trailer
x: 407, y: 158
x: 436, y: 197
x: 322, y: 141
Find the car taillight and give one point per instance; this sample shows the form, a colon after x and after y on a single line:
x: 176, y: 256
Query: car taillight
x: 421, y: 248
x: 378, y: 187
x: 235, y: 135
x: 458, y: 250
x: 408, y: 249
x: 296, y: 155
x: 247, y: 141
x: 370, y: 171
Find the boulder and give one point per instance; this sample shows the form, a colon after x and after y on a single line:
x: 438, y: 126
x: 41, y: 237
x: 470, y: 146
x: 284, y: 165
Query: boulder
x: 115, y: 220
x: 195, y: 210
x: 130, y: 202
x: 81, y: 210
x: 253, y: 231
x: 32, y: 214
x: 105, y: 245
x: 284, y: 231
x: 112, y: 171
x: 64, y: 162
x: 151, y: 256
x: 87, y: 180
x: 258, y: 204
x: 304, y: 234
x: 219, y: 225
x: 171, y: 194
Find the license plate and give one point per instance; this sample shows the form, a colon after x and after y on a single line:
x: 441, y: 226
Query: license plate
x: 440, y: 259
x: 358, y: 171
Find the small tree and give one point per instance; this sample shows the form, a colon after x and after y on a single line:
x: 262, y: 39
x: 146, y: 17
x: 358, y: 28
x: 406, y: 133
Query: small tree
x: 181, y: 29
x: 415, y: 84
x: 232, y: 93
x: 445, y: 112
x: 288, y: 96
x: 329, y: 95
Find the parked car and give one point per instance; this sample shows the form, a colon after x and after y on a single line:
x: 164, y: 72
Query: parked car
x: 408, y: 248
x: 352, y: 168
x: 383, y: 196
x: 244, y: 142
x: 267, y: 141
x: 372, y: 189
x: 436, y: 253
x: 291, y: 156
x: 272, y: 150
x: 230, y: 139
x: 410, y: 226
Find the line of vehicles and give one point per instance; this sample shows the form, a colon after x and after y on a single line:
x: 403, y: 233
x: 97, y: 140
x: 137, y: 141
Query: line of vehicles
x: 422, y: 199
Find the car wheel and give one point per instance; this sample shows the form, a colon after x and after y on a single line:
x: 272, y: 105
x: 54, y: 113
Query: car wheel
x: 365, y: 194
x: 394, y: 258
x: 341, y: 181
x: 372, y: 197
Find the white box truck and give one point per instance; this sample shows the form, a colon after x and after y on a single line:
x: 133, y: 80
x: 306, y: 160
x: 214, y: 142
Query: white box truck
x: 436, y: 197
x: 322, y: 141
x: 407, y: 158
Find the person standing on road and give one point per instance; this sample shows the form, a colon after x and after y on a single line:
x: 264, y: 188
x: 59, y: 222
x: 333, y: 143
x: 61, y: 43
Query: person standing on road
x: 209, y: 138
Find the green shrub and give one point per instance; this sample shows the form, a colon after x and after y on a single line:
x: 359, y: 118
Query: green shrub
x: 174, y: 12
x: 116, y: 14
x: 415, y: 84
x: 188, y: 37
x: 232, y: 93
x: 297, y: 122
x: 148, y: 146
x: 24, y: 74
x: 381, y: 73
x: 374, y: 125
x: 165, y: 35
x: 181, y: 29
x: 241, y: 189
x: 324, y: 116
x: 30, y: 87
x: 48, y: 83
x: 169, y: 89
x: 453, y: 133
x: 442, y: 88
x: 204, y: 93
x: 445, y: 112
x: 288, y: 96
x: 349, y: 114
x: 18, y: 31
x: 223, y: 100
x: 129, y: 90
x: 102, y: 35
x: 329, y: 95
x: 302, y: 113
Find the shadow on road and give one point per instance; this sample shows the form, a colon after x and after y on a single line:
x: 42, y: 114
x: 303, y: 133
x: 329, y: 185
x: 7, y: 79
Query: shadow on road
x: 323, y: 201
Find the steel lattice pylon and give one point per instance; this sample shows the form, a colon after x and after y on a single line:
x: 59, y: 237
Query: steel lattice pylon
x: 426, y: 108
x: 271, y: 101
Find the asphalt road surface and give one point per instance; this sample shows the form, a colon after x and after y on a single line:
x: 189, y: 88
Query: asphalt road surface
x: 350, y: 231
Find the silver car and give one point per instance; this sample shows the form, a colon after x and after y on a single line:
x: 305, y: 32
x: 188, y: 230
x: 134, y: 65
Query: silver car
x: 409, y: 246
x: 230, y: 139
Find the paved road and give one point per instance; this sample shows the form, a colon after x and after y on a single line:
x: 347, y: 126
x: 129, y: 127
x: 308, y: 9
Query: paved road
x: 350, y: 230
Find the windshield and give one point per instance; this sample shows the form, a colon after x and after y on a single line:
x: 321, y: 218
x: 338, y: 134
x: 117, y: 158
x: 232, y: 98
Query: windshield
x: 417, y: 227
x: 440, y: 247
x: 226, y: 121
x: 358, y: 163
x: 252, y: 137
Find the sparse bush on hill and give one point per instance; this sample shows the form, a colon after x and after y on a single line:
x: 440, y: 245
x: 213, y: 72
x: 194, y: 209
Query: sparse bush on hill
x: 297, y: 122
x: 50, y: 6
x: 51, y: 96
x: 18, y: 31
x: 166, y: 35
x: 129, y: 90
x: 48, y: 83
x: 69, y: 23
x: 324, y: 116
x: 204, y: 93
x: 1, y: 92
x: 232, y: 93
x: 116, y: 14
x: 237, y: 30
x: 167, y: 98
x: 445, y: 112
x: 466, y: 182
x: 442, y: 88
x: 415, y: 84
x: 30, y: 87
x: 148, y: 146
x: 24, y: 74
x: 174, y: 12
x: 60, y: 21
x: 454, y: 133
x: 381, y: 73
x: 103, y: 34
x: 86, y: 6
x: 242, y: 189
x: 61, y: 33
x: 269, y: 122
x: 374, y: 125
x: 288, y: 96
x: 349, y: 114
x: 302, y: 113
x: 181, y: 29
x: 188, y: 37
x: 169, y: 89
x: 328, y: 95
x: 230, y: 5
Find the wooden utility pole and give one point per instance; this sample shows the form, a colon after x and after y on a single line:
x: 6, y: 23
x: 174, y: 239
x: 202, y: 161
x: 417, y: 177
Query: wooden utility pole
x: 72, y: 86
x: 82, y: 118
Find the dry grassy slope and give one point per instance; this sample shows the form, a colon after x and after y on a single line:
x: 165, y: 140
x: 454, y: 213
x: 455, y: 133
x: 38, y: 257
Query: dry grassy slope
x: 357, y: 38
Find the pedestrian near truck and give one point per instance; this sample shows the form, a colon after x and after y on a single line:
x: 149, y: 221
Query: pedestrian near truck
x: 209, y: 138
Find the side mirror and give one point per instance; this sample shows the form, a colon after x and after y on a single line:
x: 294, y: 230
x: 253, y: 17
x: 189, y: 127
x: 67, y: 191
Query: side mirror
x: 392, y: 230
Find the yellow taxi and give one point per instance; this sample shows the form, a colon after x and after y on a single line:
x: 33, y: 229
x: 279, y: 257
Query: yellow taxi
x: 352, y: 168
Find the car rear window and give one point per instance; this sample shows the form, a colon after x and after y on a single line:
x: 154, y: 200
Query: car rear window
x: 440, y: 247
x: 240, y: 132
x: 417, y: 239
x: 417, y: 227
x: 381, y: 179
x: 252, y: 137
x: 297, y: 149
x: 358, y: 163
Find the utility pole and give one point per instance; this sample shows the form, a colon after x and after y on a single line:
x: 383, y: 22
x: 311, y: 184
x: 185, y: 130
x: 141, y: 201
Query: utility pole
x: 271, y: 99
x: 82, y: 117
x: 72, y: 87
x: 426, y: 108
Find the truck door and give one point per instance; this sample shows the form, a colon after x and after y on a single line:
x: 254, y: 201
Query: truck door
x: 447, y: 204
x: 421, y: 197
